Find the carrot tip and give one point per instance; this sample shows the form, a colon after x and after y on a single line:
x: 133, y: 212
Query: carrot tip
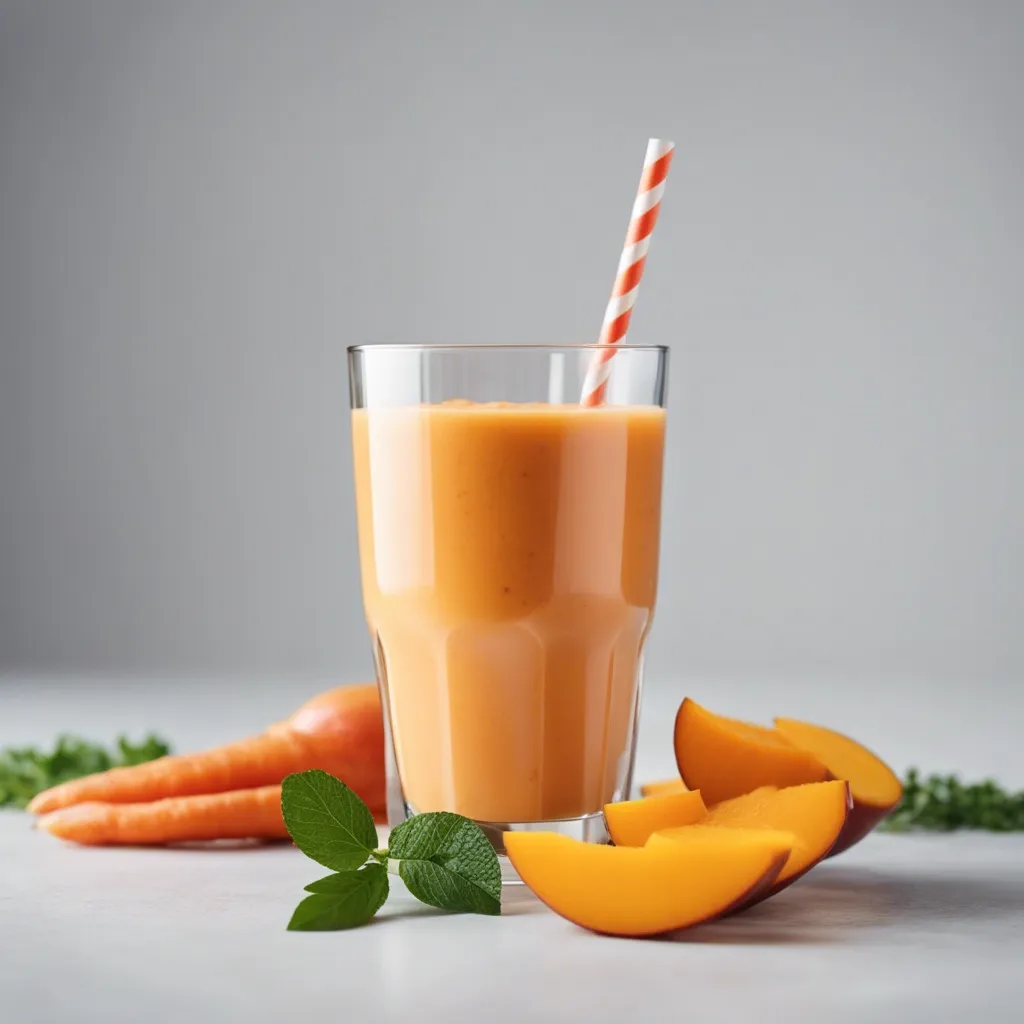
x: 53, y: 821
x: 45, y: 802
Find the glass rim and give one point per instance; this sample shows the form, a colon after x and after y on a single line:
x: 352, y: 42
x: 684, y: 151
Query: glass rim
x: 592, y: 346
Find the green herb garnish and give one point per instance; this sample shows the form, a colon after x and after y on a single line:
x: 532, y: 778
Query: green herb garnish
x: 27, y: 771
x: 943, y: 803
x: 328, y: 822
x: 444, y: 859
x: 342, y: 900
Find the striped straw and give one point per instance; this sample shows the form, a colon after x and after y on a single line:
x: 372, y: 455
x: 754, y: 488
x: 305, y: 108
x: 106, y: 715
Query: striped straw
x: 631, y: 267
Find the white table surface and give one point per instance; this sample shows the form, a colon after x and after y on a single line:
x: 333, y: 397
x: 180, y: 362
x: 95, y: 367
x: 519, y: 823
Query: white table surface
x: 902, y: 928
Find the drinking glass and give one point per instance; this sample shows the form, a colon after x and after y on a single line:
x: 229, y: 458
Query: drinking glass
x: 508, y: 544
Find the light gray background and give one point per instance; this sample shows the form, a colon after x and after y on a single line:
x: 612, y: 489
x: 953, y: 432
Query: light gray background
x: 202, y: 203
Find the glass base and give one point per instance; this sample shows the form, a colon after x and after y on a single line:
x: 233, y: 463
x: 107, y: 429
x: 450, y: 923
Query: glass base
x: 590, y: 828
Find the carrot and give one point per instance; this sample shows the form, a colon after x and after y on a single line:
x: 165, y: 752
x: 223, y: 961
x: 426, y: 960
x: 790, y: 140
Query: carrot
x: 240, y: 814
x: 340, y: 731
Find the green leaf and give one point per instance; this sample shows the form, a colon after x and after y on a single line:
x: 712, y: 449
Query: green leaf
x: 446, y: 861
x: 149, y: 749
x: 343, y: 900
x: 944, y: 803
x: 328, y: 822
x: 439, y: 886
x: 27, y: 771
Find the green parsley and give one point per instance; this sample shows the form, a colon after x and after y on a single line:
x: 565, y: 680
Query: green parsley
x: 444, y: 859
x: 26, y: 771
x: 943, y: 803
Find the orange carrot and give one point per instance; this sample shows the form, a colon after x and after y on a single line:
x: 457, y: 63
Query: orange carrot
x: 340, y: 731
x: 240, y: 814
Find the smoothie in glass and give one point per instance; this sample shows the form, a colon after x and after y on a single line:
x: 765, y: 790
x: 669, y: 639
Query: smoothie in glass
x: 509, y: 557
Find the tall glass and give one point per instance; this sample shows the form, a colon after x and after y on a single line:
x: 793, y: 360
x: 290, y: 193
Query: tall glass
x: 508, y: 541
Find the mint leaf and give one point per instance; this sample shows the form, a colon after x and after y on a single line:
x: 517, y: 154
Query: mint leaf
x: 446, y: 861
x: 441, y: 887
x: 328, y: 822
x: 344, y: 900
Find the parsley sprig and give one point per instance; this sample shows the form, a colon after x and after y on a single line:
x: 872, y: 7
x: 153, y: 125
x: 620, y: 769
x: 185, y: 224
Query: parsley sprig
x: 27, y: 771
x: 944, y: 803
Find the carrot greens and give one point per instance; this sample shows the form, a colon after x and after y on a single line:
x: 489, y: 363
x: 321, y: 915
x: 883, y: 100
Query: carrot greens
x: 27, y: 771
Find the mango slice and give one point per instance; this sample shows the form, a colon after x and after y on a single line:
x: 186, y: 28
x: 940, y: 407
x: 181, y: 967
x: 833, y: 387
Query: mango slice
x: 647, y: 890
x: 874, y: 786
x: 631, y: 822
x: 814, y: 813
x: 725, y: 758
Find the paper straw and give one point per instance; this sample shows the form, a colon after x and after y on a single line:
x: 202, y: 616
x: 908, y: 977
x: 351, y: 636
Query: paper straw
x: 631, y: 267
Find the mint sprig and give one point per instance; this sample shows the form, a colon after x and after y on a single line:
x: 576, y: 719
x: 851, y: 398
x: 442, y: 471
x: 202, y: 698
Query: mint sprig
x: 444, y: 859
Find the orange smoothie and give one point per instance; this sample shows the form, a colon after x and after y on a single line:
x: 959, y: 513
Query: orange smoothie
x: 509, y: 563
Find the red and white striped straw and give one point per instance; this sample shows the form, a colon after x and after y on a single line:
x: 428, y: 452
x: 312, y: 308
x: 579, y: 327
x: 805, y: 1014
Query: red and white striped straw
x: 631, y: 267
